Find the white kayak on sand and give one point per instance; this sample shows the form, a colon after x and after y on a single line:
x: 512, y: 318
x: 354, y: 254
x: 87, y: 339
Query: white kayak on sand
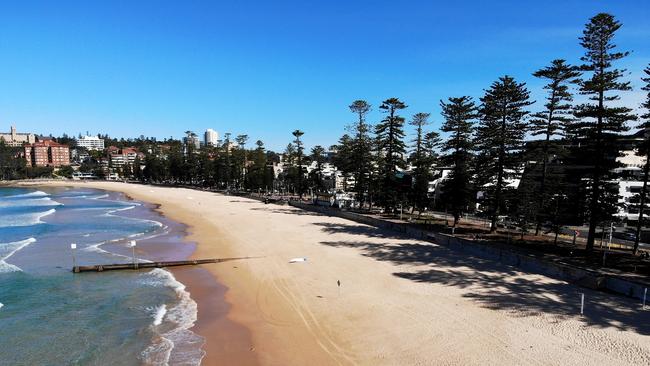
x: 296, y: 260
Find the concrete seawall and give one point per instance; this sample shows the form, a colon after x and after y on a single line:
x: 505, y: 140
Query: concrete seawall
x: 529, y: 262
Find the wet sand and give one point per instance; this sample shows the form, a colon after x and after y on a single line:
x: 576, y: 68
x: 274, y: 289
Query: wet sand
x: 401, y: 302
x: 227, y: 343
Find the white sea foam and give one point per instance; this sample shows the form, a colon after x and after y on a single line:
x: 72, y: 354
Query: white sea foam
x: 46, y: 201
x: 27, y: 219
x: 103, y: 197
x: 88, y: 209
x: 96, y: 247
x: 98, y: 196
x: 108, y: 210
x: 179, y: 345
x: 129, y: 206
x: 111, y: 213
x: 30, y: 194
x: 1, y: 305
x: 9, y: 249
x: 6, y: 267
x: 158, y: 353
x: 159, y: 315
x: 130, y: 203
x: 88, y: 195
x: 142, y: 236
x: 41, y: 201
x: 43, y: 214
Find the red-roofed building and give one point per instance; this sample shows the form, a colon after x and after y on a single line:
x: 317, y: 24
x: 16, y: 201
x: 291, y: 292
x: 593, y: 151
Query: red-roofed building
x: 47, y: 153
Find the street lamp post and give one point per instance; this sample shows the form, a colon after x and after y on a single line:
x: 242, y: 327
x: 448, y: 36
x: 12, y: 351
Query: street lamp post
x: 609, y: 242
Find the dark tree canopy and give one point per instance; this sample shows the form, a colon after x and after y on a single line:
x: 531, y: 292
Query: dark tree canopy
x: 599, y: 122
x: 361, y: 147
x: 422, y: 159
x: 644, y: 150
x: 460, y: 115
x: 553, y: 121
x: 499, y: 140
x: 390, y: 144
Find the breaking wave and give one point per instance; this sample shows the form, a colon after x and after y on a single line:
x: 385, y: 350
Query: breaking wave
x: 179, y: 345
x: 28, y: 195
x: 159, y: 314
x: 9, y: 249
x: 27, y: 219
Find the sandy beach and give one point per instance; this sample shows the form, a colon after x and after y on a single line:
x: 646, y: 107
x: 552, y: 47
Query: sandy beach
x: 401, y: 301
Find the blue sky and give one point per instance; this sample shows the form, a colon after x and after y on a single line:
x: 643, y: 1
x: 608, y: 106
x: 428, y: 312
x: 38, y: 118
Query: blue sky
x: 265, y: 68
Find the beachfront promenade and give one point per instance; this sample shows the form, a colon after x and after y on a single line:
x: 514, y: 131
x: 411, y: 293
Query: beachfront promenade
x: 401, y: 300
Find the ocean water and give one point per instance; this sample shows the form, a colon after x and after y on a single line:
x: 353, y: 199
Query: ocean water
x: 50, y: 316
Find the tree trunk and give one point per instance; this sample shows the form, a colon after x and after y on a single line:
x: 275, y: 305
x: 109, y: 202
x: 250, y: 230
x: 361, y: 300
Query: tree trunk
x: 593, y: 220
x: 646, y: 170
x: 497, y: 193
x: 542, y: 187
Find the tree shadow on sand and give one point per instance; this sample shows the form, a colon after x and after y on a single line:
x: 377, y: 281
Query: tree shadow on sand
x: 358, y: 229
x: 286, y: 211
x: 492, y: 284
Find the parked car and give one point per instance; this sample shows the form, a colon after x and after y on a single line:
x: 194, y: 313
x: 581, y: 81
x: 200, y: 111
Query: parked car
x: 626, y: 235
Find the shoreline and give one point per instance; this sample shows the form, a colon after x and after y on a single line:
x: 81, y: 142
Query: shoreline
x: 401, y: 300
x: 225, y: 342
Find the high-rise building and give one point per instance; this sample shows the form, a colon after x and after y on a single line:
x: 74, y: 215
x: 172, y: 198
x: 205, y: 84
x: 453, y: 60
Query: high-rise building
x: 91, y: 142
x: 47, y: 153
x: 211, y: 137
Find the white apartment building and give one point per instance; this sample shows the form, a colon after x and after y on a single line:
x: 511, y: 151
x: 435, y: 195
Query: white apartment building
x: 211, y: 137
x: 91, y: 142
x: 630, y: 184
x: 125, y: 156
